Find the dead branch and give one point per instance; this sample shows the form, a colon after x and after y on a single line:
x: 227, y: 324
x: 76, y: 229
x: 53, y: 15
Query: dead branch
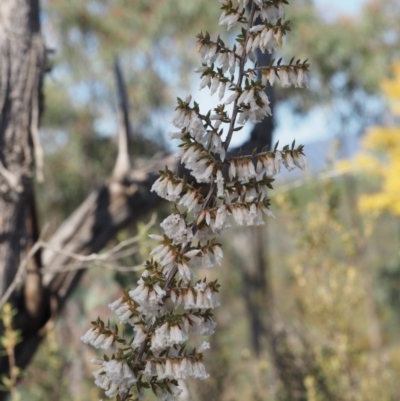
x: 123, y: 163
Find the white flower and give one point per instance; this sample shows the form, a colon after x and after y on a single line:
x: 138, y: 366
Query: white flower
x: 256, y: 43
x: 256, y: 28
x: 160, y: 370
x: 218, y: 254
x: 223, y: 61
x: 220, y: 184
x: 160, y: 339
x: 214, y: 85
x: 251, y: 195
x: 160, y: 187
x: 107, y: 343
x: 177, y: 336
x: 288, y: 161
x: 199, y: 371
x: 268, y: 41
x: 221, y: 92
x: 229, y: 19
x: 90, y: 336
x: 192, y: 253
x: 168, y: 374
x: 124, y: 313
x: 299, y: 160
x: 232, y: 98
x: 232, y: 63
x: 232, y: 170
x: 140, y: 293
x: 148, y: 371
x: 188, y: 299
x: 254, y: 215
x: 212, y: 298
x: 278, y: 161
x: 293, y: 77
x: 284, y: 78
x: 238, y: 215
x: 221, y: 217
x: 206, y: 81
x: 272, y: 76
x: 176, y: 229
x: 183, y: 366
x: 178, y: 374
x: 184, y: 271
x: 249, y: 44
x: 140, y: 336
x: 302, y: 79
x: 278, y: 37
x: 204, y: 346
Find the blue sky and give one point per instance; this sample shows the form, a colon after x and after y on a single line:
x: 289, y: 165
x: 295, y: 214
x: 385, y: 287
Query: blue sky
x: 350, y: 7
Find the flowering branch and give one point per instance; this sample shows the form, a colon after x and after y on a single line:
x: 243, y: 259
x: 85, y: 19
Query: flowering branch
x: 170, y: 304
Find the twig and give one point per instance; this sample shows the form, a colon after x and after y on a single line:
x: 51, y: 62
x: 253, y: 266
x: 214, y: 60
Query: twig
x: 19, y: 276
x: 303, y: 181
x: 95, y: 260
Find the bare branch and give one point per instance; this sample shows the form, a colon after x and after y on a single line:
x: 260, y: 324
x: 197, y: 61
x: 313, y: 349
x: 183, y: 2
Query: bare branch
x: 123, y: 164
x: 37, y: 146
x: 19, y: 277
x: 86, y: 261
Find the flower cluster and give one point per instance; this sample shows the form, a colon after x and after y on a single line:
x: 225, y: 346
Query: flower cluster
x: 170, y: 305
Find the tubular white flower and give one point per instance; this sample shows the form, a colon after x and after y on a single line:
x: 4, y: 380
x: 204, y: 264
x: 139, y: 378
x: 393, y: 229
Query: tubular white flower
x: 278, y: 161
x: 206, y: 81
x: 302, y: 79
x: 188, y: 299
x: 229, y: 19
x: 148, y: 371
x: 222, y: 215
x: 299, y: 160
x: 288, y: 161
x: 214, y: 85
x: 199, y: 371
x: 284, y: 78
x: 232, y: 170
x: 232, y: 98
x: 221, y: 92
x: 220, y: 184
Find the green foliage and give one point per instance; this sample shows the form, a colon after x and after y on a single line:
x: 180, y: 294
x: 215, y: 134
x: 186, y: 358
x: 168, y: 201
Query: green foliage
x: 9, y: 340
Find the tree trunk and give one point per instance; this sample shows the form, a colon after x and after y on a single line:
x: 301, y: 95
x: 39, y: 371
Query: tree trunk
x: 22, y: 66
x: 21, y: 74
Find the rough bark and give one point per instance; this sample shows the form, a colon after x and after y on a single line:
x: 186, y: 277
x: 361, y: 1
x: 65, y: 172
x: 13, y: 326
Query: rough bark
x: 22, y: 64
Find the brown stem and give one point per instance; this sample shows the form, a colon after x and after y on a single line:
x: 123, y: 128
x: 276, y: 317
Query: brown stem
x: 210, y: 194
x: 240, y: 79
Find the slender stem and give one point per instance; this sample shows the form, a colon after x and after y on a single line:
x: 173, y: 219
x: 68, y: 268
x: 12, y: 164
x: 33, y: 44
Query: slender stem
x: 240, y: 79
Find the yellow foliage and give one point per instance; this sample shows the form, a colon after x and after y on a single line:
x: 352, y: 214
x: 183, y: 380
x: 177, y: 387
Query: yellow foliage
x: 382, y: 156
x: 382, y: 138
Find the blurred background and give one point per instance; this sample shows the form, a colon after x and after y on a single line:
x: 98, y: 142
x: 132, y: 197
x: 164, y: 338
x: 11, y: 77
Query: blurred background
x: 310, y: 301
